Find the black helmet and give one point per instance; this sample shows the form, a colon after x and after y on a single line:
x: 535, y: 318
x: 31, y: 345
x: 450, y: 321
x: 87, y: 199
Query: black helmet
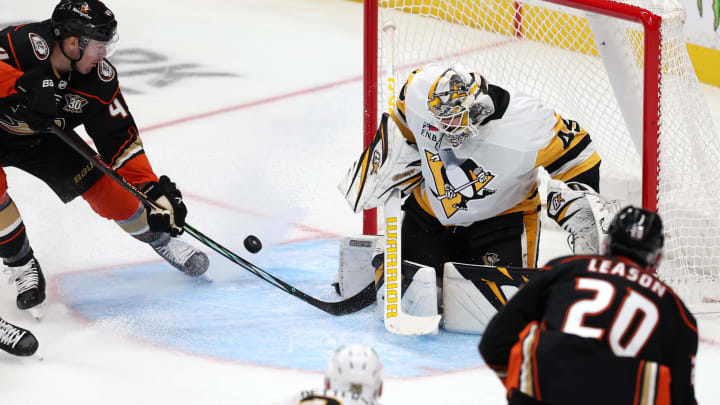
x: 87, y: 19
x: 637, y: 234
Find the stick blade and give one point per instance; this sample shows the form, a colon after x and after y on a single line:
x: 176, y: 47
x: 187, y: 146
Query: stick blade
x: 404, y: 324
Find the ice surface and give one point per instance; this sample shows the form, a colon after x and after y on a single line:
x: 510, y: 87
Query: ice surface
x: 254, y: 108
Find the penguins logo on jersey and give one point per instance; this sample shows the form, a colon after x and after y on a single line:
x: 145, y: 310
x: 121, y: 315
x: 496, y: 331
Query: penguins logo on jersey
x: 490, y: 259
x: 456, y: 196
x: 39, y: 46
x: 74, y: 103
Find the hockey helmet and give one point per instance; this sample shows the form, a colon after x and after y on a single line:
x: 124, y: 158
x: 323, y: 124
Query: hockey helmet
x: 356, y: 369
x: 637, y: 234
x: 459, y: 101
x: 90, y: 20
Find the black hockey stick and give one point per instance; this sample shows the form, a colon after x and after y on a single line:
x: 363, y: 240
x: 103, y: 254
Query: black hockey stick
x: 347, y: 306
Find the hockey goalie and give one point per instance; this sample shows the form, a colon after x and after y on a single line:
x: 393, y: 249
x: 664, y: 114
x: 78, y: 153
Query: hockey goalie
x: 466, y: 154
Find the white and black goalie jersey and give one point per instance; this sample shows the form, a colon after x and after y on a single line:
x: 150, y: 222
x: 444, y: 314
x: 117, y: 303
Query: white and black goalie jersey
x: 494, y: 172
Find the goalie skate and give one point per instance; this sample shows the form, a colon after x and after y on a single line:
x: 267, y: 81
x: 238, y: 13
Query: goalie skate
x: 30, y: 284
x: 182, y: 256
x: 16, y: 340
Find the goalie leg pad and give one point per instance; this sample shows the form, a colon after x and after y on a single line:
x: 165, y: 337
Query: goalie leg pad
x: 420, y: 296
x: 419, y: 293
x: 355, y: 270
x: 472, y: 294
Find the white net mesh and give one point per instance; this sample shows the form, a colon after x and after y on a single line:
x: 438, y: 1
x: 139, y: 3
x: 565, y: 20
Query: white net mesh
x: 552, y: 52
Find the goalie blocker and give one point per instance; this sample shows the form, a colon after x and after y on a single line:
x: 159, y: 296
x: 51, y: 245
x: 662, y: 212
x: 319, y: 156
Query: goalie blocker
x: 387, y: 164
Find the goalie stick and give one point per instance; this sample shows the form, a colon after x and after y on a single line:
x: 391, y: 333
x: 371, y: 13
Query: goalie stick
x: 397, y: 321
x: 347, y: 306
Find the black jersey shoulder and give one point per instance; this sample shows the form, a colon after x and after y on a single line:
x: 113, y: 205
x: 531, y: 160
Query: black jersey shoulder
x: 30, y: 45
x: 27, y: 45
x: 569, y: 266
x: 100, y: 84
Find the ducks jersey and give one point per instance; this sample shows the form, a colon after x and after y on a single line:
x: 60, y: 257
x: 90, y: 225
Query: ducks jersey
x: 494, y: 172
x: 327, y: 397
x: 589, y: 319
x: 93, y: 100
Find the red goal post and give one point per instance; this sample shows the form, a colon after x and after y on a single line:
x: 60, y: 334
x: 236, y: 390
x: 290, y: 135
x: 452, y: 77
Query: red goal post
x: 618, y: 68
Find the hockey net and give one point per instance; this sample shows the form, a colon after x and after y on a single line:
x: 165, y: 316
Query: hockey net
x: 620, y: 69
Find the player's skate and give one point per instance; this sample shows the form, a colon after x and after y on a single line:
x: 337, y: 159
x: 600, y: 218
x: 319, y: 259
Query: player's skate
x: 30, y: 284
x: 181, y: 255
x: 16, y: 340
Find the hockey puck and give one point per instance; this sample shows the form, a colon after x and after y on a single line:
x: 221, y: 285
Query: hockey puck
x: 252, y: 244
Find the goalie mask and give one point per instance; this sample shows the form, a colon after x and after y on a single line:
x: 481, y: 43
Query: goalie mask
x: 355, y: 369
x: 459, y: 101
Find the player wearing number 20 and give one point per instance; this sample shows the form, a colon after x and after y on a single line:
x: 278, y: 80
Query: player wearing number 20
x: 55, y: 72
x: 598, y: 329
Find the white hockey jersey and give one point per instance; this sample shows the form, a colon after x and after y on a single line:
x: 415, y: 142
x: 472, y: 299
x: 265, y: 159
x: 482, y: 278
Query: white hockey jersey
x: 494, y: 172
x: 327, y: 397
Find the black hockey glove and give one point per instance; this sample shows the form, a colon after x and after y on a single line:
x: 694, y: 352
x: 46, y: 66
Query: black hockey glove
x: 39, y: 106
x: 170, y: 217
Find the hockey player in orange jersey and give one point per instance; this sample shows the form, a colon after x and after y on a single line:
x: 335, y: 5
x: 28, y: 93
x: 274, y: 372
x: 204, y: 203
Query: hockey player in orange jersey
x: 56, y: 72
x: 13, y: 339
x: 598, y: 329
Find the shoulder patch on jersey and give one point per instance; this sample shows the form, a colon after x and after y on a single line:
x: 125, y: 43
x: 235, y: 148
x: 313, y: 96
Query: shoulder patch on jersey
x: 74, y: 103
x: 39, y: 46
x: 105, y: 71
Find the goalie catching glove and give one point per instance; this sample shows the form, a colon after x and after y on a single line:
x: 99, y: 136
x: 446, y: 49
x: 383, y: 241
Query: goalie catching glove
x: 585, y: 214
x: 389, y: 162
x: 169, y: 216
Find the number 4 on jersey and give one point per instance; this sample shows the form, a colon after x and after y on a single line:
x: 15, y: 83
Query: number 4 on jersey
x: 117, y: 109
